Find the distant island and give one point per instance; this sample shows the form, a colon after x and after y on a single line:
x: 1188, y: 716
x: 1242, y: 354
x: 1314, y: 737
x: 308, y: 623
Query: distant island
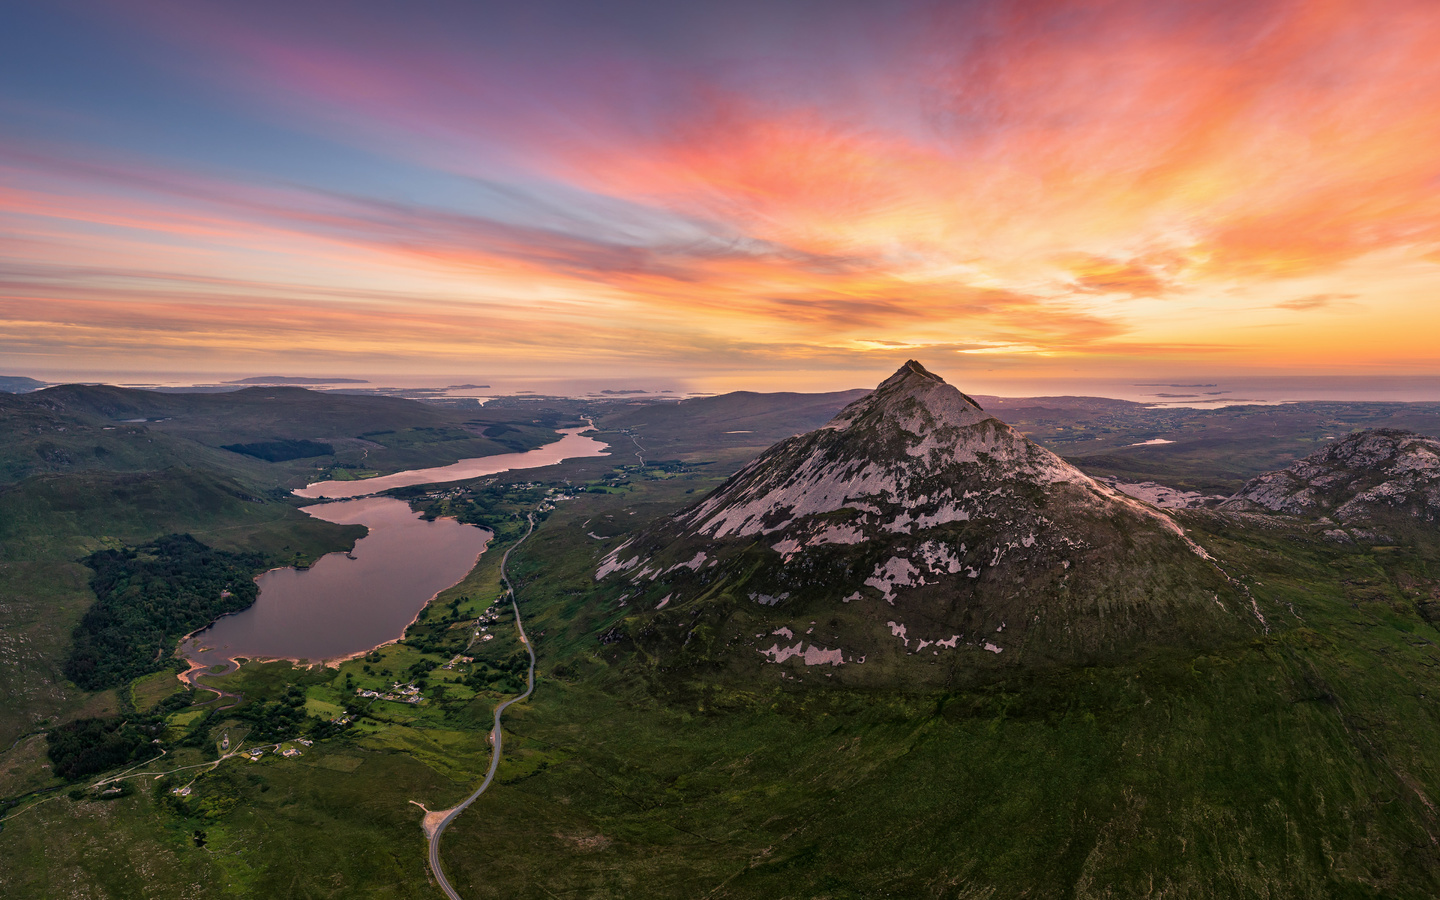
x: 19, y: 384
x: 285, y: 379
x: 468, y: 387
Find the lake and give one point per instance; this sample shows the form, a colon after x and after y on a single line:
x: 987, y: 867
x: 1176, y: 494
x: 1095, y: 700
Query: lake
x: 572, y: 445
x: 342, y: 606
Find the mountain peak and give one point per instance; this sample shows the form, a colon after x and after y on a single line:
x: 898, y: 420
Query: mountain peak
x: 913, y: 375
x: 915, y: 523
x: 911, y: 369
x: 914, y: 398
x: 902, y: 441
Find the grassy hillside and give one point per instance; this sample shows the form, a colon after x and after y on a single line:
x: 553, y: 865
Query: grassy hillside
x: 48, y: 524
x: 100, y: 428
x: 730, y: 427
x: 75, y: 477
x: 1298, y: 762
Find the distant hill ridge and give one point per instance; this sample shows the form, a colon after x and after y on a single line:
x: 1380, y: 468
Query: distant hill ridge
x: 289, y: 379
x: 19, y: 384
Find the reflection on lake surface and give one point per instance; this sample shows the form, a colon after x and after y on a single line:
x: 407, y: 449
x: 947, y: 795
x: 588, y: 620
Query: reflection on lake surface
x: 344, y: 605
x: 571, y: 446
x: 341, y: 605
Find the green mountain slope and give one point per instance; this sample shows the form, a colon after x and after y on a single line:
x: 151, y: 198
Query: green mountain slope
x: 1177, y: 749
x: 922, y: 539
x: 1293, y: 762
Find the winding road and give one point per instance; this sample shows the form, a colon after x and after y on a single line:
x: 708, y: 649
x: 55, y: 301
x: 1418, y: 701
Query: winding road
x: 495, y: 732
x: 639, y: 449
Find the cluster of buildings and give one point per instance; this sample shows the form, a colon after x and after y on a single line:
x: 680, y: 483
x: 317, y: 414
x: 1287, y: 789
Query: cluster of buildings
x: 553, y: 496
x: 255, y: 753
x: 399, y: 693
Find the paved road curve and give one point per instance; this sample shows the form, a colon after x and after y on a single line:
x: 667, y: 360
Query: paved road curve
x: 495, y: 732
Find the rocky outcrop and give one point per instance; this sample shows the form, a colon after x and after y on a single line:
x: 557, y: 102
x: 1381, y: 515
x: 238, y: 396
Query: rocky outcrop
x: 1370, y: 474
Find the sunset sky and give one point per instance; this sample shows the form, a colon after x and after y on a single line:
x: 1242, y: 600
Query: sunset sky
x: 723, y: 191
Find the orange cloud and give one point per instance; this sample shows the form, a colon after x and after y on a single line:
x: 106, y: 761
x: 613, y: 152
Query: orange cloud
x: 1077, y: 180
x: 1112, y: 276
x: 1313, y: 301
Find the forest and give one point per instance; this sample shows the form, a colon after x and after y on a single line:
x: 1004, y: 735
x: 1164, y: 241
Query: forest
x: 147, y: 598
x: 282, y: 451
x: 86, y: 746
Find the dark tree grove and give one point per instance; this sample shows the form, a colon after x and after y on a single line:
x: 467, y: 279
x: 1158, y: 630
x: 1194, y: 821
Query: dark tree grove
x: 282, y: 451
x: 147, y: 597
x: 86, y: 746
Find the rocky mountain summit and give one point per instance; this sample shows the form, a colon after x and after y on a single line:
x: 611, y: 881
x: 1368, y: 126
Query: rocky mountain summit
x: 915, y: 523
x: 1370, y: 474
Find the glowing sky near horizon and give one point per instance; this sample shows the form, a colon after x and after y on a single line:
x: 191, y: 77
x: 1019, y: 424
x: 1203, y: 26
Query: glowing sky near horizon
x: 721, y: 189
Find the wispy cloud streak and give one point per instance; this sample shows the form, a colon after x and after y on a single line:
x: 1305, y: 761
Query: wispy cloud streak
x: 1045, y: 180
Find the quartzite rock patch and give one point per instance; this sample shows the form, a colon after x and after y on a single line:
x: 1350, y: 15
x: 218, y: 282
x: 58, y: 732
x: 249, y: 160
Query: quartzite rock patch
x: 1378, y: 472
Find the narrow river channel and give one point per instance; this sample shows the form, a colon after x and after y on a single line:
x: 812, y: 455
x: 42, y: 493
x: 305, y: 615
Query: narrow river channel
x: 350, y: 603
